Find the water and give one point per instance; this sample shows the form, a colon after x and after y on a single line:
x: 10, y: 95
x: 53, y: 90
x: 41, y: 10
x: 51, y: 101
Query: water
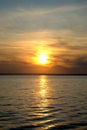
x: 43, y: 102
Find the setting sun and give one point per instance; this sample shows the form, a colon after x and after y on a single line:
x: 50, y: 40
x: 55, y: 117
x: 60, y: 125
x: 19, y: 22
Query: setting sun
x: 43, y: 59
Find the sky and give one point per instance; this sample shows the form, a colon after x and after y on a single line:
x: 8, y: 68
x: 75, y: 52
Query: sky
x: 56, y: 29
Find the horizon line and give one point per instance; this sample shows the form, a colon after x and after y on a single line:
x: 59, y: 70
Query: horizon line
x: 37, y: 74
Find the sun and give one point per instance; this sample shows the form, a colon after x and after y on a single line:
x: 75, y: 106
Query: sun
x: 43, y: 59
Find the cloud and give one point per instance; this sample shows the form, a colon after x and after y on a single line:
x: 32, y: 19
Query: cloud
x: 14, y: 67
x: 23, y: 19
x: 68, y: 55
x: 81, y: 62
x: 28, y: 26
x: 20, y: 67
x: 75, y: 66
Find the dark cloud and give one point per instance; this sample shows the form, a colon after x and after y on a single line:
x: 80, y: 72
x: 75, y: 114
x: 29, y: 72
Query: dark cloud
x: 81, y: 62
x: 75, y: 66
x: 59, y: 43
x: 13, y: 67
x: 69, y: 62
x: 19, y: 67
x: 78, y: 66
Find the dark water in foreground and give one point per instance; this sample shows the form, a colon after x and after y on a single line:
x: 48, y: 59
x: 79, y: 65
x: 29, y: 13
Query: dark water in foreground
x: 43, y: 102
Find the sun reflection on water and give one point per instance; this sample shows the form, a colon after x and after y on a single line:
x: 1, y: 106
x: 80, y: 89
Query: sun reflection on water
x: 43, y: 91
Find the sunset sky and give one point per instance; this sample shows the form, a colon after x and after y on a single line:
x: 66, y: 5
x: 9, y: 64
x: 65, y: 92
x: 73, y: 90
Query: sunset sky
x: 43, y: 36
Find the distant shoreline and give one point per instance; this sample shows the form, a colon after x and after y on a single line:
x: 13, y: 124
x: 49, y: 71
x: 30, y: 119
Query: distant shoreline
x: 43, y: 74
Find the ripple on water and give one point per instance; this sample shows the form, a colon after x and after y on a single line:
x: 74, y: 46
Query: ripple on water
x: 61, y: 106
x: 54, y: 127
x: 68, y: 126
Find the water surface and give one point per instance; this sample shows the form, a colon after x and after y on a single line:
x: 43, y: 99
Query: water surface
x: 43, y: 102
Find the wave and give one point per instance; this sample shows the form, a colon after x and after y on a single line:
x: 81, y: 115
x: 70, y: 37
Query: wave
x: 57, y: 127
